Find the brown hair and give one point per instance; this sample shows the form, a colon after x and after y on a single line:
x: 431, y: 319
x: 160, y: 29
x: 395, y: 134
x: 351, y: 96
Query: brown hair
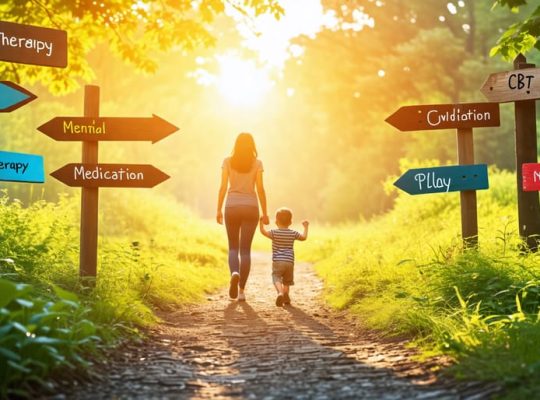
x: 244, y: 153
x: 284, y: 216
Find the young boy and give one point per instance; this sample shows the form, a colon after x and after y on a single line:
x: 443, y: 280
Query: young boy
x: 283, y: 252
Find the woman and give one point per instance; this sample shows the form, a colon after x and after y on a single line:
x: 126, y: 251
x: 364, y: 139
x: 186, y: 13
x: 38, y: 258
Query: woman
x: 241, y: 173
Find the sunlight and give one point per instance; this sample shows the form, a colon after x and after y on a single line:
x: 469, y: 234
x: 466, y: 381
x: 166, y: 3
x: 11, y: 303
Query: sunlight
x: 241, y: 82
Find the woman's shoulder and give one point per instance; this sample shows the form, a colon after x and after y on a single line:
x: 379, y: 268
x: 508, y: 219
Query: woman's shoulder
x: 258, y: 164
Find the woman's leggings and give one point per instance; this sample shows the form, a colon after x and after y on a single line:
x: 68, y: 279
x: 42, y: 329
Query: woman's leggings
x: 241, y: 222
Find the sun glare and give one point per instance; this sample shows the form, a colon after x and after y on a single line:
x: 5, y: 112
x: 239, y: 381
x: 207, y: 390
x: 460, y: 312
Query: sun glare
x: 241, y: 82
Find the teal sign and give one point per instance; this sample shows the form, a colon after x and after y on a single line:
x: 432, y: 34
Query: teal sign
x: 12, y: 96
x: 454, y: 178
x: 18, y: 167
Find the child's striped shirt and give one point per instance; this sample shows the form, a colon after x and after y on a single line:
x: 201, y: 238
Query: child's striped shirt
x: 282, y: 244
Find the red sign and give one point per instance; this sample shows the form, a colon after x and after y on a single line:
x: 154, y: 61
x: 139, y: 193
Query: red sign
x: 531, y: 177
x: 110, y: 175
x: 445, y: 116
x: 107, y: 128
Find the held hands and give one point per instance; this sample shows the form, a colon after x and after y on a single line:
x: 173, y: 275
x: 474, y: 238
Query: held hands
x: 265, y: 220
x: 219, y: 218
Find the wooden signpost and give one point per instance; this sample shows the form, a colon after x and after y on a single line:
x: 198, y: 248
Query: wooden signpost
x: 453, y: 178
x: 110, y: 175
x: 90, y: 175
x: 19, y: 167
x: 465, y: 178
x: 12, y: 96
x: 521, y: 86
x: 35, y: 45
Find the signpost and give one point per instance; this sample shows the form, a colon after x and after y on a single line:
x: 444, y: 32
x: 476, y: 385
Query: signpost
x: 445, y: 116
x: 521, y: 86
x: 12, y: 96
x: 35, y: 45
x: 97, y: 129
x: 453, y: 178
x: 19, y: 167
x: 465, y: 178
x: 110, y: 175
x: 90, y: 175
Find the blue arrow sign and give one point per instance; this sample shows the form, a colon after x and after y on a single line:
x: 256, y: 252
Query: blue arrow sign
x: 12, y: 96
x: 444, y: 179
x: 18, y: 167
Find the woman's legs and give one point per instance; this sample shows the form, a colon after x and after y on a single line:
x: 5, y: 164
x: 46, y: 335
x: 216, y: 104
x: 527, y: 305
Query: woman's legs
x: 247, y: 230
x: 241, y: 223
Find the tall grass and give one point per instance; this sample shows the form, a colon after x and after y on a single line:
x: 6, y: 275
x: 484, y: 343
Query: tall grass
x: 153, y: 253
x: 406, y: 273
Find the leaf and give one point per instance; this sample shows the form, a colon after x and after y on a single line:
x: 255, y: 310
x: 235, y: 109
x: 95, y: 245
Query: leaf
x: 65, y: 294
x: 19, y: 367
x: 8, y: 292
x: 10, y: 355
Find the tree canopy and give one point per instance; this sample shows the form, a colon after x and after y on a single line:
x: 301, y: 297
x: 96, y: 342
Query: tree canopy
x: 133, y: 30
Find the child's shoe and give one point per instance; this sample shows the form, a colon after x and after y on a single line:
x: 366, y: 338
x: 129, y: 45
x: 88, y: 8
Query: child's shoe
x: 279, y: 300
x: 233, y: 288
x: 286, y: 299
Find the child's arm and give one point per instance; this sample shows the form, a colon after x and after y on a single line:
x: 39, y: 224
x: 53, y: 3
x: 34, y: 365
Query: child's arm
x: 263, y: 229
x: 303, y: 236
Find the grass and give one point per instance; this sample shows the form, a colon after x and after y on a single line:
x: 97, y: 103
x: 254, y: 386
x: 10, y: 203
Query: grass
x: 406, y: 273
x: 153, y: 253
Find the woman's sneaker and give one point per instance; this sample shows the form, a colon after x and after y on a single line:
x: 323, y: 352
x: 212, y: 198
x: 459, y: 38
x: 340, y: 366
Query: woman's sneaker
x: 279, y: 300
x: 233, y: 288
x: 286, y: 299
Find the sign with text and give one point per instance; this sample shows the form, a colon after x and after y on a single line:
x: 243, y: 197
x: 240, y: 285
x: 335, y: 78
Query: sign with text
x: 110, y: 175
x: 523, y: 84
x: 444, y: 179
x: 27, y: 44
x: 107, y: 128
x: 531, y: 177
x: 19, y: 167
x: 445, y: 116
x: 12, y: 96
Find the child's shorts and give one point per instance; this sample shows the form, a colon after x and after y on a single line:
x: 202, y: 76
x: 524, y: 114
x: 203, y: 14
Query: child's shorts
x: 283, y: 271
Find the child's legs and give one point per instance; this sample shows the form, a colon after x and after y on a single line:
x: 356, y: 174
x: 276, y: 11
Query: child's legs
x: 250, y: 219
x: 288, y: 277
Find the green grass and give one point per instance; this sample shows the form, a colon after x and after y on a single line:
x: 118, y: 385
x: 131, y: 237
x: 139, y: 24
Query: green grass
x: 152, y: 253
x: 406, y: 273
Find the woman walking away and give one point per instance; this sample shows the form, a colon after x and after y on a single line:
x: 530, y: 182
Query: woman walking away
x: 241, y: 174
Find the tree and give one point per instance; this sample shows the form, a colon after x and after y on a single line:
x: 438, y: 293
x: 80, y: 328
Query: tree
x: 133, y: 30
x: 520, y: 37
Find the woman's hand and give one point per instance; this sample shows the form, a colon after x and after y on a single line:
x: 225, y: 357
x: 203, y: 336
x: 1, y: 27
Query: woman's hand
x: 265, y: 220
x: 219, y: 217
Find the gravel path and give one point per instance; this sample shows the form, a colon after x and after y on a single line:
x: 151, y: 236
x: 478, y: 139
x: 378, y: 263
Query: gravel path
x: 224, y: 349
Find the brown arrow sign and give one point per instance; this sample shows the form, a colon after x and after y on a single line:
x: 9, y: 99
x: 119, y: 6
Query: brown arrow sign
x: 35, y: 45
x: 110, y: 175
x: 445, y: 116
x: 503, y: 87
x: 107, y: 128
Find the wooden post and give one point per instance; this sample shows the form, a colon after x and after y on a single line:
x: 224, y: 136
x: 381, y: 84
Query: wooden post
x: 469, y: 215
x: 526, y: 152
x: 89, y: 196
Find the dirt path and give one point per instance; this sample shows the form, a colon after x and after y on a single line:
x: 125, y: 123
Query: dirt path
x: 255, y: 350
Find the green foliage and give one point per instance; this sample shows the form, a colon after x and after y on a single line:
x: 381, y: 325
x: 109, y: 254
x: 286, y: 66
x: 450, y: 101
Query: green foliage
x: 153, y: 253
x: 39, y: 335
x: 520, y: 37
x: 133, y: 31
x: 406, y: 273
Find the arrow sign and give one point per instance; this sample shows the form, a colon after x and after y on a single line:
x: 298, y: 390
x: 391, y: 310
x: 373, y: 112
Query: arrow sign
x: 531, y: 177
x: 18, y: 167
x: 523, y: 84
x: 35, y: 45
x: 13, y: 96
x: 110, y: 175
x: 444, y: 179
x: 445, y: 116
x: 107, y: 128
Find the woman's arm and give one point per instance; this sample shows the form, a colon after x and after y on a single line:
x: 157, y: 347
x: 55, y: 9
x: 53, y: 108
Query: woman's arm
x: 221, y: 195
x: 262, y: 197
x: 263, y: 229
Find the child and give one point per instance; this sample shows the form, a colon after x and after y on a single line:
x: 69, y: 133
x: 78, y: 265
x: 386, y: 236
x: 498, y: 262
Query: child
x: 283, y: 252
